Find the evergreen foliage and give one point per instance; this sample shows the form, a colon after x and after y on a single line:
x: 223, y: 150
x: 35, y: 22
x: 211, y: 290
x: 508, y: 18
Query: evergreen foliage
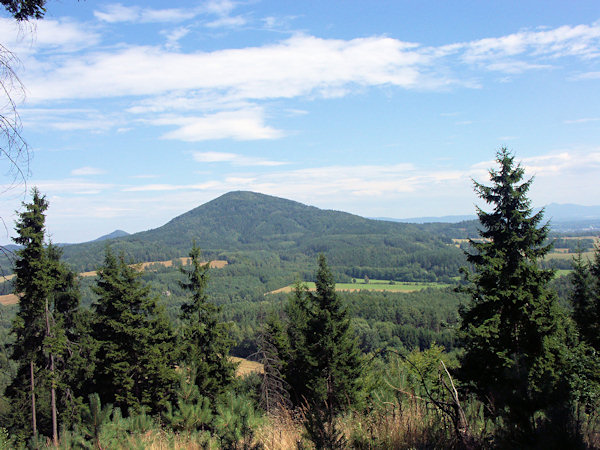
x: 205, y: 340
x: 192, y: 411
x: 511, y: 331
x: 325, y: 362
x: 44, y: 330
x: 32, y: 284
x: 135, y: 358
x: 585, y: 299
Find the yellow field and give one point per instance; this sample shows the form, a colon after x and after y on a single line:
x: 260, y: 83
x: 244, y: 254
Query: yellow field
x: 245, y: 366
x: 372, y: 285
x: 584, y: 255
x: 12, y: 299
x: 216, y: 264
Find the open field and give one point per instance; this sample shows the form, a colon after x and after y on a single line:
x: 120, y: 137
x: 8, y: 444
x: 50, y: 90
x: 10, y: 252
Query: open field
x: 10, y: 299
x: 216, y: 264
x: 586, y: 255
x: 245, y: 366
x: 372, y: 285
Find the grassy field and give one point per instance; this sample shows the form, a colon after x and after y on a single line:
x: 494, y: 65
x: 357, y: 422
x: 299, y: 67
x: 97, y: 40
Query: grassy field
x: 373, y: 285
x: 555, y: 255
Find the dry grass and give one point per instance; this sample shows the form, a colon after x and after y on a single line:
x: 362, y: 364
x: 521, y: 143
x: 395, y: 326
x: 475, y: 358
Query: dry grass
x: 10, y: 299
x: 553, y: 255
x: 246, y: 367
x: 280, y: 432
x: 216, y: 264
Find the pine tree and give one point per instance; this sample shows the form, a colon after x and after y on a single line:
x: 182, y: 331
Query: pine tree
x: 511, y: 330
x: 205, y: 341
x: 135, y: 364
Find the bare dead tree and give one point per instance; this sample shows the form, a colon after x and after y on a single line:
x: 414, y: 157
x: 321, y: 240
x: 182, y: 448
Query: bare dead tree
x: 274, y: 391
x: 451, y: 407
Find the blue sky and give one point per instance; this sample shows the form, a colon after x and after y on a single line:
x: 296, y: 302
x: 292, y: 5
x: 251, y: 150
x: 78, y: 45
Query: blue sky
x: 135, y: 113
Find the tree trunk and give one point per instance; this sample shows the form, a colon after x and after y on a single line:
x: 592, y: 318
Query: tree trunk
x: 33, y: 418
x: 53, y: 389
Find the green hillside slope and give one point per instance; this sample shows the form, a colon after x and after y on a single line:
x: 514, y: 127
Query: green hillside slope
x: 259, y: 226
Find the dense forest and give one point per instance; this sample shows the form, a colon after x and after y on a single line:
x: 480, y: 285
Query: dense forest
x: 507, y: 358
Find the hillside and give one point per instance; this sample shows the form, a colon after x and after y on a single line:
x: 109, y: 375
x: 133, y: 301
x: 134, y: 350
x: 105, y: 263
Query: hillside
x: 284, y: 232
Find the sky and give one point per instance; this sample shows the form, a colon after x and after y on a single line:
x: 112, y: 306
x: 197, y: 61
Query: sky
x: 136, y: 112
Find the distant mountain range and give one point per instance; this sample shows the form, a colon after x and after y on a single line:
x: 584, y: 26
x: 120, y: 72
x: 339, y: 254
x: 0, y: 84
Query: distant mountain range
x: 430, y: 219
x: 563, y: 217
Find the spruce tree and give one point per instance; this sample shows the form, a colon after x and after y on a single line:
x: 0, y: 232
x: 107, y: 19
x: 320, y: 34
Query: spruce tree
x: 205, y: 340
x: 511, y: 331
x: 135, y: 364
x: 32, y: 285
x: 584, y: 301
x: 43, y: 328
x: 325, y: 358
x: 73, y: 363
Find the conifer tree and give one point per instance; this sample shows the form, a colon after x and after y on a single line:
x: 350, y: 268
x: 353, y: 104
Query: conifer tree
x: 73, y: 363
x: 584, y: 301
x: 32, y: 285
x: 49, y: 302
x: 325, y: 355
x: 205, y: 342
x: 294, y: 352
x: 273, y: 349
x: 511, y: 330
x: 135, y: 364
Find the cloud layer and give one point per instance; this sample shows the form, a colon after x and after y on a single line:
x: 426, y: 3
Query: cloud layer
x: 222, y: 94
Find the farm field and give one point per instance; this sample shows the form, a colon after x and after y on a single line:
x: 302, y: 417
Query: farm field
x: 569, y: 256
x: 372, y: 285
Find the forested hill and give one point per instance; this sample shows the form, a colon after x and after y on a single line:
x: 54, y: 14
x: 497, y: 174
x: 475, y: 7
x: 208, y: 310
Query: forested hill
x: 251, y: 223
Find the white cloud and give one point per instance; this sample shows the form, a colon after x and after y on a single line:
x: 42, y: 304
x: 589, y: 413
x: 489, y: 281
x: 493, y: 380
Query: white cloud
x: 586, y: 76
x: 583, y: 120
x: 239, y: 125
x: 87, y: 170
x: 116, y: 13
x: 233, y: 158
x: 297, y: 66
x: 70, y: 186
x: 69, y: 119
x: 222, y: 94
x: 174, y: 36
x: 170, y: 187
x: 61, y: 35
x: 227, y: 22
x: 581, y: 41
x: 301, y: 65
